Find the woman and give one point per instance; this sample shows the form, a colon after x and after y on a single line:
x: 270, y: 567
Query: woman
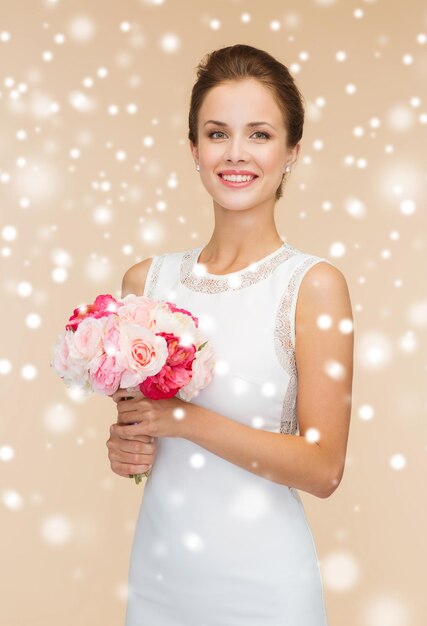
x: 222, y: 538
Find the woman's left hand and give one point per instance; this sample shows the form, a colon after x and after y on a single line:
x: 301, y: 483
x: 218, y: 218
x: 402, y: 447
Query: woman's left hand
x: 156, y: 418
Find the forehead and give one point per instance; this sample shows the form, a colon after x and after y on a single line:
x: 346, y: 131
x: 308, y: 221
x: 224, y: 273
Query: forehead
x: 241, y: 99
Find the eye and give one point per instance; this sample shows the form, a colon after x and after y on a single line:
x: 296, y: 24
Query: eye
x: 215, y: 132
x: 266, y: 135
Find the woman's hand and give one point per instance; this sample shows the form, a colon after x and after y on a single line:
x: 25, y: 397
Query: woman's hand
x: 130, y: 457
x: 132, y: 445
x: 156, y: 418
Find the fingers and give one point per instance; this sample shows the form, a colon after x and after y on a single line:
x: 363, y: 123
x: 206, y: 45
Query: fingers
x: 141, y: 444
x: 129, y: 455
x: 136, y: 457
x: 119, y: 394
x: 127, y: 435
x: 128, y: 417
x: 128, y: 411
x: 134, y: 431
x: 125, y: 448
x: 126, y: 394
x: 130, y: 458
x: 123, y: 469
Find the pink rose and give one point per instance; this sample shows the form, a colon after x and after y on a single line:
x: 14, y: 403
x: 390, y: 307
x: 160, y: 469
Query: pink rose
x: 103, y: 305
x: 137, y: 310
x: 143, y: 353
x: 175, y: 373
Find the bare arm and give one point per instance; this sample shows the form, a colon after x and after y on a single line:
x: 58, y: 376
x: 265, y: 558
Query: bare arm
x: 325, y: 370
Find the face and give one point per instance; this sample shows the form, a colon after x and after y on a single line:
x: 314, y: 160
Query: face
x: 237, y: 145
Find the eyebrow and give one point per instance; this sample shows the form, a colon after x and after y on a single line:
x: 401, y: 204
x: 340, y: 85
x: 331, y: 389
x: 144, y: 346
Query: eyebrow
x: 250, y: 125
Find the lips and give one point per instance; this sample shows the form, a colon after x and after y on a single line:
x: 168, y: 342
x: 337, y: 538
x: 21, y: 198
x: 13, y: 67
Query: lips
x: 237, y: 173
x: 237, y: 184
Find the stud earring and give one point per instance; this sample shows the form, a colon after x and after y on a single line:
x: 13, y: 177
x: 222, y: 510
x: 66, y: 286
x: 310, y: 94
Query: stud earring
x: 198, y: 167
x: 288, y: 169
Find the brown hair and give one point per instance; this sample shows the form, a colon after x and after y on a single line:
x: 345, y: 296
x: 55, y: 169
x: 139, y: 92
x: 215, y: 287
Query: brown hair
x: 239, y: 62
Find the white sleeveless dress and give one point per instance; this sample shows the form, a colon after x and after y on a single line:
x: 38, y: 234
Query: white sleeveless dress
x: 215, y: 544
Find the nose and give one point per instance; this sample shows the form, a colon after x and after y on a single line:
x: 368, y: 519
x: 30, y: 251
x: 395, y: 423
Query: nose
x: 236, y: 149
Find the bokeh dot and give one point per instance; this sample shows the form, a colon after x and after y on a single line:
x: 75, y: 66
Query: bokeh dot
x: 334, y: 369
x: 387, y: 610
x: 61, y: 257
x: 268, y: 390
x: 9, y: 233
x: 324, y: 321
x: 337, y: 249
x: 7, y: 453
x: 24, y: 289
x: 340, y: 571
x: 170, y: 42
x: 102, y: 215
x: 59, y: 275
x: 148, y: 141
x: 397, y: 461
x: 346, y: 326
x: 58, y: 418
x: 366, y: 412
x: 28, y: 371
x: 12, y: 499
x: 56, y: 530
x: 81, y: 28
x: 192, y: 541
x: 197, y: 460
x: 312, y: 435
x: 33, y: 320
x: 5, y: 366
x: 407, y: 207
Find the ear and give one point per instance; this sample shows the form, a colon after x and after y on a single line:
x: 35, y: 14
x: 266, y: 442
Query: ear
x: 194, y: 150
x: 295, y: 152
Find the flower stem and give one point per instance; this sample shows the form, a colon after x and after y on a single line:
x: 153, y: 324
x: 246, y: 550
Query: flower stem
x: 138, y: 477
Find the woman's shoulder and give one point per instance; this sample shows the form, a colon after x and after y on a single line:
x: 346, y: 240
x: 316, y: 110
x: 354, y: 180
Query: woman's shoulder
x: 134, y: 278
x: 317, y: 272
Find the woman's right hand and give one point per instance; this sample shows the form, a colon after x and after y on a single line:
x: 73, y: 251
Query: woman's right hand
x: 129, y: 457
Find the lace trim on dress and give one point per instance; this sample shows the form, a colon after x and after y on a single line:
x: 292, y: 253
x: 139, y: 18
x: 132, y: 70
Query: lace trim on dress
x: 284, y: 345
x: 153, y: 278
x: 234, y: 281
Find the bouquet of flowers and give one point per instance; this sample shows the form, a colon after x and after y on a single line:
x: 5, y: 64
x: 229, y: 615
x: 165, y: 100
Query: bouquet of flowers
x: 134, y: 343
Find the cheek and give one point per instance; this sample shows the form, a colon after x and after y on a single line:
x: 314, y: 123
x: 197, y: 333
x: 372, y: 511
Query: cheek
x: 210, y: 153
x: 273, y: 160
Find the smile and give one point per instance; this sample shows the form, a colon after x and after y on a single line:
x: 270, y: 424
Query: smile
x: 234, y: 180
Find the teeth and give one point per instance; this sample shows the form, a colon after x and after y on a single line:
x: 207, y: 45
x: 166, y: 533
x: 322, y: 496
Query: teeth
x: 237, y: 179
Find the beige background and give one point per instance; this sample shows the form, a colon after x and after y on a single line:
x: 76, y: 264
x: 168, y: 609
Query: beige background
x: 75, y: 215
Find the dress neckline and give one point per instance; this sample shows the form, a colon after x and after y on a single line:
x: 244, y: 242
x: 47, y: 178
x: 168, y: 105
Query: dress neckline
x: 198, y: 269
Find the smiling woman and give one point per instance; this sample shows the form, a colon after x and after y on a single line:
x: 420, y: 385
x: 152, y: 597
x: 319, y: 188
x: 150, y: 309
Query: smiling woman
x: 235, y: 64
x: 222, y: 537
x: 242, y: 140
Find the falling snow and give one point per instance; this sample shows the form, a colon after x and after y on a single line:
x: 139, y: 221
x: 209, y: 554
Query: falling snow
x: 96, y: 174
